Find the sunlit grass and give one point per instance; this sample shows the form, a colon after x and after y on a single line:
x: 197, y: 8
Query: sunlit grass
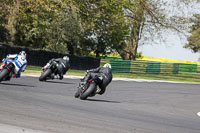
x: 168, y: 60
x: 184, y: 77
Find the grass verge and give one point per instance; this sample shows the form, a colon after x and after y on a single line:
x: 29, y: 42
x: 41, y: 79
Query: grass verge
x: 37, y: 70
x: 184, y: 77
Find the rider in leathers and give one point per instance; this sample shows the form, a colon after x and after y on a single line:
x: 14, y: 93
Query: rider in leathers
x: 20, y: 62
x: 104, y: 73
x: 62, y: 64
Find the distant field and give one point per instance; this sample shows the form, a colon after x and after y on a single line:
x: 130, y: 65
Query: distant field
x: 146, y: 58
x: 168, y: 60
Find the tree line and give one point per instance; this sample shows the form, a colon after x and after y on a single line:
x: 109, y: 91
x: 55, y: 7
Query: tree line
x: 78, y: 27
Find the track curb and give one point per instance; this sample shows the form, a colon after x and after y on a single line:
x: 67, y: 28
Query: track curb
x: 116, y: 79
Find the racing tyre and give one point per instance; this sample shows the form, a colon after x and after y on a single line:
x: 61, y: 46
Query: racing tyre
x: 89, y: 91
x: 45, y: 74
x: 3, y: 74
x: 77, y: 94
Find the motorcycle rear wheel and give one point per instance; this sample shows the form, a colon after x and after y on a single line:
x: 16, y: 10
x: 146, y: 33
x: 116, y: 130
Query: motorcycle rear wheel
x: 91, y: 89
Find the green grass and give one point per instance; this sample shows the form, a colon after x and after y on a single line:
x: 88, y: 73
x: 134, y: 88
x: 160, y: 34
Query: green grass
x: 38, y: 70
x: 184, y: 77
x: 33, y: 70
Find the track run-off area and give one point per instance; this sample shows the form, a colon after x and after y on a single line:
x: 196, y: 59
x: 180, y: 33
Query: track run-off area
x: 128, y: 106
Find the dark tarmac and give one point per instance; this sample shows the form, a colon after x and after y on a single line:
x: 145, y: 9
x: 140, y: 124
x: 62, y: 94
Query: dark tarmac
x: 126, y: 107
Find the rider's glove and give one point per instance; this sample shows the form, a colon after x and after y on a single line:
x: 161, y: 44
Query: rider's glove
x: 7, y: 56
x: 15, y: 75
x: 45, y: 66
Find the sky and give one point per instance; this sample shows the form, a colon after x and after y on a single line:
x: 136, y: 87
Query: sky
x: 172, y: 48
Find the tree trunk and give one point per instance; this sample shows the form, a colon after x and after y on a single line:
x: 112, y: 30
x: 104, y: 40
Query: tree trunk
x: 12, y: 19
x: 130, y: 49
x: 134, y: 45
x: 70, y: 48
x: 97, y: 54
x: 124, y: 55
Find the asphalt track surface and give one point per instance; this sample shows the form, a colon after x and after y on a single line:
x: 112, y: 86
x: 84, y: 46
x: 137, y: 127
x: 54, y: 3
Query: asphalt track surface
x: 30, y: 106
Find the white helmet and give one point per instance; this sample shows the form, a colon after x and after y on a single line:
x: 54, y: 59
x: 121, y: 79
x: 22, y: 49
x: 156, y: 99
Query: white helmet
x: 23, y: 54
x: 107, y: 65
x: 66, y: 58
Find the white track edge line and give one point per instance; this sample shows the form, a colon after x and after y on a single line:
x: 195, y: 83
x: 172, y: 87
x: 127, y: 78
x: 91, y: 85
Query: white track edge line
x: 119, y: 79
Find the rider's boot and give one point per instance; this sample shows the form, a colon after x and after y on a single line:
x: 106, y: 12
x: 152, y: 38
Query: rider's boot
x: 60, y: 77
x: 98, y: 90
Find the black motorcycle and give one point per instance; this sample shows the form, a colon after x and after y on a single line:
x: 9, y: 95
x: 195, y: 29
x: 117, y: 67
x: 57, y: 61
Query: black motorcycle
x: 88, y: 89
x: 48, y: 70
x: 6, y: 71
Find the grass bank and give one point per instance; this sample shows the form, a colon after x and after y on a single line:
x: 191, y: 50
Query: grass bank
x: 38, y: 70
x: 184, y: 77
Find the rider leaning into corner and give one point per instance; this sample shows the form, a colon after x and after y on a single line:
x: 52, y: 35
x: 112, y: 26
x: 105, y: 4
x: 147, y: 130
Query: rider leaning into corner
x: 104, y: 73
x: 20, y: 62
x: 62, y: 65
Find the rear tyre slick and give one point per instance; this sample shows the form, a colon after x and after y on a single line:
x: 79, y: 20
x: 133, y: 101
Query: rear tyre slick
x: 89, y: 91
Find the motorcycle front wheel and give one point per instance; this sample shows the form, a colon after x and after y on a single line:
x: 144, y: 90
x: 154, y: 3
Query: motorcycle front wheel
x: 4, y: 73
x: 45, y: 74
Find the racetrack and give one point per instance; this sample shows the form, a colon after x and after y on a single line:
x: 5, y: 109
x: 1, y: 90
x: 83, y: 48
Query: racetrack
x: 30, y: 106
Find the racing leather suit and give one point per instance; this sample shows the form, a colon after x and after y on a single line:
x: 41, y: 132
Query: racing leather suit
x: 19, y: 62
x: 62, y: 65
x: 104, y: 72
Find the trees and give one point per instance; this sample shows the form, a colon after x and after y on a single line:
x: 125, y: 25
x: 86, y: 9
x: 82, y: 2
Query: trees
x: 48, y: 24
x: 4, y: 34
x: 104, y: 25
x: 194, y: 39
x: 140, y: 19
x: 150, y: 18
x: 80, y: 26
x: 6, y: 23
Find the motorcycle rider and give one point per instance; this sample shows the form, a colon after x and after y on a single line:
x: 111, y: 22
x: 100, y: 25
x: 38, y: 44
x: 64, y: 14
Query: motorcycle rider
x: 62, y: 64
x: 20, y: 62
x: 103, y: 73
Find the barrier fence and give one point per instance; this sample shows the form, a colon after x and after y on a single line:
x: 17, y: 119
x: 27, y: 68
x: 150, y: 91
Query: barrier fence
x: 127, y: 66
x: 154, y: 68
x: 41, y: 57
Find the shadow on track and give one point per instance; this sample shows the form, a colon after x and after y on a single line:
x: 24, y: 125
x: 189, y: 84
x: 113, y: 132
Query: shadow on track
x: 58, y: 82
x: 16, y: 84
x: 98, y: 100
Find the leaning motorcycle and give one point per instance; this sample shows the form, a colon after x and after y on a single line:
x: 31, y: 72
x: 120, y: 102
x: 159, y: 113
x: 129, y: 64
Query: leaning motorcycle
x: 7, y: 69
x: 48, y: 69
x: 88, y: 89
